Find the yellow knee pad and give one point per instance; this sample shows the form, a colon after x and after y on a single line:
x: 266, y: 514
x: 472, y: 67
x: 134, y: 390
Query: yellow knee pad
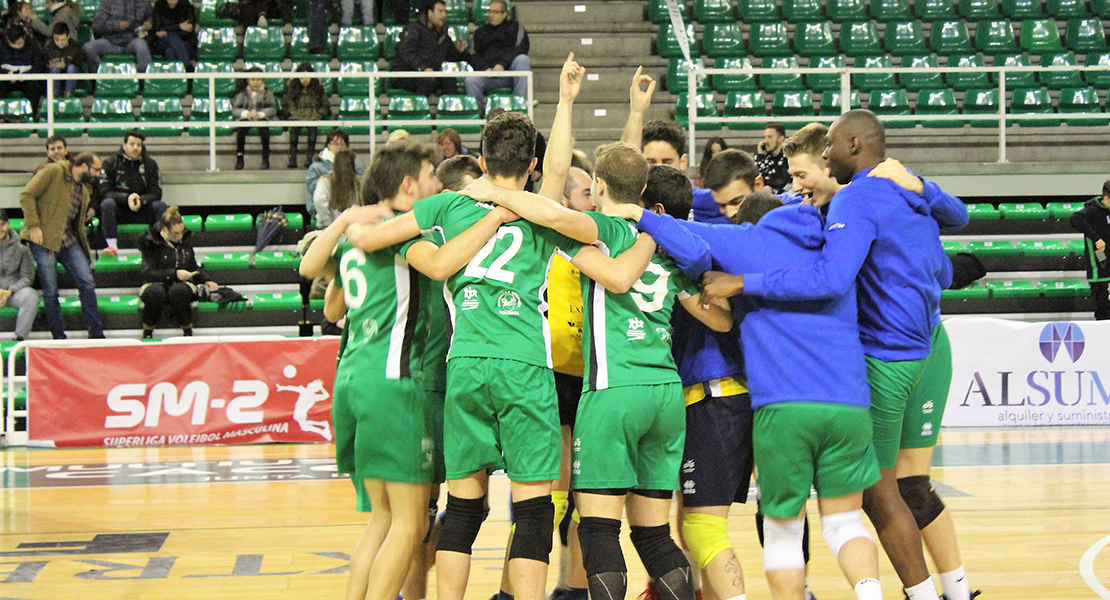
x: 706, y: 536
x: 559, y: 499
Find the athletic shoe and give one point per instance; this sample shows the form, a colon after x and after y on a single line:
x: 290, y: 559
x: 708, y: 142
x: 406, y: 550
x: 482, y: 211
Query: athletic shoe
x: 110, y: 251
x: 557, y: 593
x: 809, y: 595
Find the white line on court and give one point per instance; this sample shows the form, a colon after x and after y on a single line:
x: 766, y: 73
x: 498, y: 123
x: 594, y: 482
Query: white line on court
x: 1087, y: 568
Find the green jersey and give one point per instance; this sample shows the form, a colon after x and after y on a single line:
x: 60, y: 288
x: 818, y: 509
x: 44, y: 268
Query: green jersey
x: 383, y: 299
x: 498, y: 301
x: 434, y: 316
x: 626, y: 338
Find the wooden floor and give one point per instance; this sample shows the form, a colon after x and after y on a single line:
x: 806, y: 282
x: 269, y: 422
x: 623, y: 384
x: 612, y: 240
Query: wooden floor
x: 1032, y: 508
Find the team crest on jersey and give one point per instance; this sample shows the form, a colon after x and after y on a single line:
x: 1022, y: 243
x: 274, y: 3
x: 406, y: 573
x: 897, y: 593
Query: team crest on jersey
x: 664, y: 334
x: 508, y: 303
x: 370, y: 328
x: 636, y: 329
x: 470, y: 298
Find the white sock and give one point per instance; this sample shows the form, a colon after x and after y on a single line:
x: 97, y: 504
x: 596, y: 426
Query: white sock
x: 955, y: 584
x: 923, y: 591
x: 112, y: 244
x: 869, y: 589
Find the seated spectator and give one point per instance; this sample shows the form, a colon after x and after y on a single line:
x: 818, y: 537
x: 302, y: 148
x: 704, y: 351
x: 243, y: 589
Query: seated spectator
x: 337, y: 191
x: 347, y: 12
x: 171, y: 276
x: 425, y: 46
x: 65, y: 11
x: 64, y: 55
x: 771, y: 159
x: 399, y: 136
x: 451, y: 144
x: 131, y: 188
x: 499, y: 45
x: 22, y: 15
x: 254, y: 102
x: 175, y: 30
x: 120, y: 27
x: 337, y: 140
x: 305, y: 100
x: 258, y: 12
x: 17, y: 271
x: 20, y: 56
x: 712, y: 147
x: 457, y: 172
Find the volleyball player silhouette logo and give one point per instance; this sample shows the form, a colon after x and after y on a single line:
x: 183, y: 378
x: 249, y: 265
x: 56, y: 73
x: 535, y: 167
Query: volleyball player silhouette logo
x: 308, y: 396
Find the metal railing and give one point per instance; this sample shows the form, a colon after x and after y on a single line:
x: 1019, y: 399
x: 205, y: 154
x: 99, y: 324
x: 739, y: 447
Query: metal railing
x: 49, y: 123
x: 845, y: 98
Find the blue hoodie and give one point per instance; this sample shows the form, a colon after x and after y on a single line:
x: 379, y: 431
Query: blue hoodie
x: 705, y: 208
x: 794, y: 351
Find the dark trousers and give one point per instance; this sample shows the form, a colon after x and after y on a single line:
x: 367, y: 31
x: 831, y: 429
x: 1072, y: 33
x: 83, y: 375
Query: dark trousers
x: 1100, y: 293
x: 31, y: 90
x: 241, y: 140
x: 294, y: 137
x: 175, y: 48
x: 177, y: 297
x: 317, y: 25
x: 426, y: 87
x: 112, y: 213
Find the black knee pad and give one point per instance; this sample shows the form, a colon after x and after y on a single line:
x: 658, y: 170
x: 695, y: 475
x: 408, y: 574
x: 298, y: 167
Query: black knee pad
x: 601, y: 545
x: 461, y: 524
x: 535, y: 521
x: 657, y: 550
x: 919, y: 495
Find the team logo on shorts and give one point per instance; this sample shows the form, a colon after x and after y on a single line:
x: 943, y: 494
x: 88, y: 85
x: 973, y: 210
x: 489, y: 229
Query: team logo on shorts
x: 688, y: 467
x: 688, y: 488
x: 636, y: 329
x: 926, y: 430
x: 927, y: 408
x: 576, y: 467
x: 470, y: 298
x: 508, y: 303
x: 428, y: 446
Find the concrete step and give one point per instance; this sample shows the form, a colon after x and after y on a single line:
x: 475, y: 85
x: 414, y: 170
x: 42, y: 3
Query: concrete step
x: 589, y: 47
x: 580, y: 15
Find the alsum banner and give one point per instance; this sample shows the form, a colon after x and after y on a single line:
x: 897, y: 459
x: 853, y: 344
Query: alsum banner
x: 1007, y: 373
x: 168, y: 394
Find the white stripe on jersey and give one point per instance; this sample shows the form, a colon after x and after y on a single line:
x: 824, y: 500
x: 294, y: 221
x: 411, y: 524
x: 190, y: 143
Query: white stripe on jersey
x: 400, y: 323
x: 450, y: 312
x: 599, y: 330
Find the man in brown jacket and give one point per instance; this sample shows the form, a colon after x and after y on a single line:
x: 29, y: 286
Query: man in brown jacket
x: 54, y: 205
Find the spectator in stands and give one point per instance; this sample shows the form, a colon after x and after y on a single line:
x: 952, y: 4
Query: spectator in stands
x: 457, y: 172
x: 337, y: 140
x: 131, y: 188
x: 20, y: 56
x: 451, y: 144
x: 1093, y: 221
x: 52, y: 203
x: 712, y: 147
x: 399, y: 136
x: 347, y: 12
x: 258, y: 12
x: 171, y: 275
x: 399, y: 8
x: 64, y: 55
x: 254, y: 102
x: 121, y: 27
x: 772, y: 162
x: 337, y: 191
x: 65, y: 11
x: 499, y: 45
x: 56, y: 150
x: 317, y: 26
x: 425, y: 46
x: 175, y: 30
x: 17, y: 271
x: 21, y: 15
x: 305, y: 100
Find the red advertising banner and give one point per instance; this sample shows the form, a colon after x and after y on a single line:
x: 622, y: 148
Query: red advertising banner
x: 182, y: 394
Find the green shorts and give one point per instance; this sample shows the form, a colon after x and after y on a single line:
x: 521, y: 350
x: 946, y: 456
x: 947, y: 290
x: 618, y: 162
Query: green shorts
x: 925, y: 407
x: 891, y: 385
x: 380, y: 429
x: 629, y: 437
x: 501, y: 414
x: 802, y: 444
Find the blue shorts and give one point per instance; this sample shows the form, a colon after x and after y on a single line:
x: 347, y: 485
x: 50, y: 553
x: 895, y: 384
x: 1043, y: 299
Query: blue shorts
x: 717, y: 461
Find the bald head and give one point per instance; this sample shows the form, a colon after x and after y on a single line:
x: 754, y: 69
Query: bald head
x: 576, y: 190
x: 856, y: 142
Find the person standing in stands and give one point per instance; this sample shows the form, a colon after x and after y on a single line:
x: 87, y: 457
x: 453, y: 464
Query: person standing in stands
x: 131, y: 188
x: 499, y: 45
x: 17, y: 271
x: 171, y: 275
x: 175, y: 30
x: 1093, y: 221
x: 120, y: 27
x: 772, y: 162
x: 425, y: 46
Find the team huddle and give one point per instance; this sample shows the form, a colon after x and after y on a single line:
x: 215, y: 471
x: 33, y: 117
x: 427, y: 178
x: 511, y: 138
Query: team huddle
x: 808, y: 345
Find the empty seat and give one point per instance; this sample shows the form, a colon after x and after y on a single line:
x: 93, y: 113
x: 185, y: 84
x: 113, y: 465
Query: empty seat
x: 111, y: 111
x: 1023, y: 9
x: 666, y: 42
x: 788, y: 80
x: 938, y: 102
x: 678, y: 71
x: 106, y: 263
x: 117, y: 305
x: 1043, y: 248
x: 983, y: 212
x: 276, y: 84
x: 1033, y: 101
x: 657, y: 11
x: 949, y: 37
x: 1013, y: 289
x: 934, y: 10
x: 207, y: 16
x: 16, y: 110
x: 409, y: 108
x: 758, y: 11
x: 769, y: 39
x: 166, y: 88
x: 200, y: 113
x: 735, y: 82
x: 1099, y: 79
x: 879, y: 78
x: 704, y: 104
x: 263, y: 43
x: 506, y: 102
x: 860, y: 39
x: 952, y: 247
x: 232, y: 222
x: 721, y: 40
x: 792, y: 104
x: 1064, y: 288
x: 459, y: 107
x: 1101, y: 8
x: 830, y: 102
x: 814, y: 39
x: 821, y: 82
x: 1067, y: 9
x: 279, y: 300
x: 276, y: 260
x: 356, y: 108
x: 975, y: 291
x: 746, y: 104
x: 357, y: 43
x: 995, y: 37
x: 162, y: 109
x: 392, y: 38
x: 1023, y: 210
x: 1063, y: 210
x: 1081, y: 100
x: 891, y: 102
x: 224, y: 87
x: 979, y: 10
x: 803, y: 11
x: 714, y: 11
x: 457, y: 12
x: 217, y: 43
x: 885, y: 11
x: 1058, y: 80
x: 846, y: 11
x: 66, y: 110
x: 919, y: 81
x: 117, y: 88
x: 992, y: 248
x: 1019, y: 79
x: 1040, y: 36
x: 982, y: 102
x: 966, y: 81
x: 1085, y: 35
x: 905, y: 38
x: 354, y: 86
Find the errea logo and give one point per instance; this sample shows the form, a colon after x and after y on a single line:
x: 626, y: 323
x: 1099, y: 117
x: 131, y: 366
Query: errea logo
x: 835, y: 226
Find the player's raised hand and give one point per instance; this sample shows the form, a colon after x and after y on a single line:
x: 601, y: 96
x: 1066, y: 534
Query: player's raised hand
x: 640, y: 97
x: 716, y: 284
x: 570, y: 80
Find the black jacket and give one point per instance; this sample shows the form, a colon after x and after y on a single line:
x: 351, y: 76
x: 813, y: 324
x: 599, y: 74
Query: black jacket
x: 1093, y: 221
x: 162, y: 260
x: 123, y: 176
x: 422, y: 47
x: 498, y: 45
x: 170, y: 19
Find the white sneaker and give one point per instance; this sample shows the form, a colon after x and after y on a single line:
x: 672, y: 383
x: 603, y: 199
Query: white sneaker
x: 262, y: 20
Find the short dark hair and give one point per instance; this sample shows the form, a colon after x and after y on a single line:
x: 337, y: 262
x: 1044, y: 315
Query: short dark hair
x: 671, y: 188
x: 56, y: 138
x: 134, y: 133
x: 451, y: 171
x: 389, y: 167
x: 509, y: 144
x: 1106, y: 188
x: 430, y: 5
x: 14, y: 34
x: 84, y: 159
x: 624, y: 170
x: 777, y: 127
x: 665, y: 130
x: 728, y: 166
x: 3, y: 215
x: 338, y: 133
x: 755, y: 206
x: 60, y: 29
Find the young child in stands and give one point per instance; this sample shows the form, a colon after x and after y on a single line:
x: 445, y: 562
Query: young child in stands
x: 64, y: 55
x: 305, y: 100
x: 255, y: 102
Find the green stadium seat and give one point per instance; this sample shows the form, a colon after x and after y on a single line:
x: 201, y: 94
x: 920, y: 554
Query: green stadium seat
x: 737, y: 82
x: 117, y: 305
x: 293, y: 221
x: 1033, y: 101
x: 457, y: 12
x: 758, y: 11
x: 769, y: 39
x: 814, y: 39
x: 982, y: 102
x: 1043, y: 248
x: 356, y: 108
x: 847, y: 11
x: 162, y: 109
x: 66, y: 110
x: 479, y: 15
x: 992, y: 248
x: 721, y: 40
x: 803, y: 11
x: 1019, y: 79
x: 916, y: 82
x: 1059, y: 210
x: 830, y: 102
x: 1085, y: 35
x: 860, y: 39
x: 224, y: 87
x: 278, y: 301
x: 107, y: 263
x: 131, y: 228
x: 678, y: 70
x: 357, y: 43
x: 459, y: 107
x: 111, y: 111
x: 207, y: 16
x: 1013, y: 289
x: 166, y: 88
x: 979, y: 10
x: 276, y: 84
x: 963, y: 82
x: 193, y: 223
x: 88, y: 10
x: 983, y: 212
x: 746, y: 104
x: 17, y: 224
x: 117, y: 88
x: 232, y: 222
x: 1077, y: 246
x: 880, y: 78
x: 199, y: 115
x: 1081, y: 100
x: 938, y: 102
x: 1099, y: 79
x: 1021, y: 10
x: 409, y: 107
x: 1101, y: 8
x: 1064, y: 288
x: 217, y: 44
x: 975, y: 291
x: 1067, y: 9
x: 276, y: 260
x: 714, y: 11
x: 16, y: 110
x: 263, y: 43
x: 1058, y: 80
x: 792, y: 104
x: 787, y: 81
x: 298, y: 46
x: 952, y: 247
x: 885, y: 11
x: 891, y: 102
x: 667, y: 43
x: 508, y: 102
x: 905, y: 38
x: 932, y: 11
x: 657, y: 11
x: 949, y: 37
x: 995, y: 37
x: 705, y: 105
x: 71, y: 305
x: 392, y: 37
x: 1023, y: 210
x: 352, y: 86
x: 1040, y: 36
x: 823, y: 82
